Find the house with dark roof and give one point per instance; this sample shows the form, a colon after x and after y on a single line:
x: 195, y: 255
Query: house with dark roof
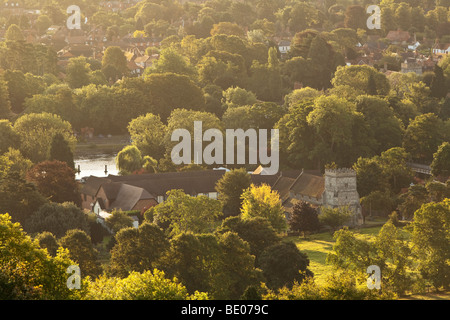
x: 140, y: 192
x: 399, y: 37
x: 334, y: 189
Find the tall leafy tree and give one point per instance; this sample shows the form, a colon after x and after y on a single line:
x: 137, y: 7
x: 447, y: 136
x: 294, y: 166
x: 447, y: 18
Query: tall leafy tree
x: 137, y: 249
x: 78, y: 72
x: 283, y: 264
x: 56, y: 181
x: 424, y: 135
x: 60, y: 150
x: 257, y: 232
x: 36, y: 132
x: 262, y: 201
x: 14, y: 33
x: 5, y: 104
x: 147, y: 133
x: 129, y: 160
x: 8, y: 137
x: 114, y: 63
x: 430, y: 237
x: 304, y: 218
x: 440, y: 166
x: 438, y: 86
x: 27, y: 271
x: 82, y: 252
x: 57, y: 218
x: 230, y: 188
x: 183, y: 213
x: 355, y: 17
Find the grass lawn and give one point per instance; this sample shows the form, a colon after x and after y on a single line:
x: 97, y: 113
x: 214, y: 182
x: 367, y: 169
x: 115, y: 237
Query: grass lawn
x: 428, y: 296
x: 317, y: 247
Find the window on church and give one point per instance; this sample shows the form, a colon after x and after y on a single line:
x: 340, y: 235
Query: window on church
x: 346, y: 185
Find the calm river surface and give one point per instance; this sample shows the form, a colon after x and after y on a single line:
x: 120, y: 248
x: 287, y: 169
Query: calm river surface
x: 95, y: 165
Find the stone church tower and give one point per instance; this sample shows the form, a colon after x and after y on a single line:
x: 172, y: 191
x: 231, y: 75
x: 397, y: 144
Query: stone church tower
x: 340, y: 190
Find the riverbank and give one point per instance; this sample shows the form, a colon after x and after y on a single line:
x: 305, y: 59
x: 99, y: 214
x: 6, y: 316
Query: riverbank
x: 100, y: 145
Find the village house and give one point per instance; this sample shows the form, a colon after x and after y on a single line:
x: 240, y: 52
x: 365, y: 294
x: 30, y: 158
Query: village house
x: 399, y: 37
x: 284, y: 46
x: 441, y: 49
x: 334, y: 189
x: 116, y: 5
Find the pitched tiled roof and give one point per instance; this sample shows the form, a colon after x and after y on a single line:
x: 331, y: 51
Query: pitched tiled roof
x: 192, y: 182
x: 309, y: 185
x: 128, y: 196
x: 92, y: 184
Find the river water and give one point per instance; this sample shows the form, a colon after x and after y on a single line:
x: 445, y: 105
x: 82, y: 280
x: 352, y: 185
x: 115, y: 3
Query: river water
x: 95, y: 166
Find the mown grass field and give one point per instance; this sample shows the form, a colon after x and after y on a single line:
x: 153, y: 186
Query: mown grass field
x: 317, y: 246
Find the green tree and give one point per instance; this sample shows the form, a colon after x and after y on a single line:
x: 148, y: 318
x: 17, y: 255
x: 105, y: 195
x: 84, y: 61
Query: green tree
x: 236, y: 97
x: 47, y: 240
x: 230, y: 188
x: 129, y: 160
x: 332, y: 120
x: 56, y: 181
x: 5, y: 104
x: 358, y: 77
x: 118, y: 220
x: 148, y: 285
x: 394, y: 165
x: 192, y: 258
x: 369, y: 176
x: 14, y: 33
x: 303, y: 218
x: 57, y: 218
x: 430, y: 236
x: 355, y: 17
x: 168, y: 91
x: 82, y: 252
x: 21, y: 85
x: 137, y: 249
x: 147, y: 134
x: 19, y: 198
x: 424, y: 135
x: 12, y: 163
x: 257, y: 232
x: 334, y: 217
x: 228, y: 28
x: 236, y: 268
x: 183, y: 213
x: 385, y: 128
x: 412, y: 200
x: 262, y: 201
x: 78, y: 72
x: 36, y: 132
x: 43, y: 22
x: 438, y: 87
x: 283, y: 264
x: 28, y: 272
x: 114, y: 63
x: 172, y: 61
x: 8, y: 137
x: 440, y: 166
x: 60, y: 150
x: 403, y: 16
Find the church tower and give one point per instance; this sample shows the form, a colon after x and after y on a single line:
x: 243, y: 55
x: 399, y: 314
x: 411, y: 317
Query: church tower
x: 340, y: 190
